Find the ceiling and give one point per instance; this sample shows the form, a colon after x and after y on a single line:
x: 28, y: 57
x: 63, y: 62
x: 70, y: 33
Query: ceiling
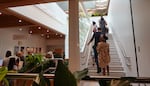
x: 92, y: 7
x: 11, y: 19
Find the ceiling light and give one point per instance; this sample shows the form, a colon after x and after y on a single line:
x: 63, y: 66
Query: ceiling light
x: 47, y: 36
x: 60, y: 35
x: 47, y: 31
x: 0, y: 13
x: 56, y: 34
x: 39, y: 28
x: 20, y: 21
x: 20, y: 29
x: 30, y: 31
x: 42, y: 34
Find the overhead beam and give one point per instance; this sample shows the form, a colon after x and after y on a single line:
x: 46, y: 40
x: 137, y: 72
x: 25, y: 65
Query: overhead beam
x: 14, y: 3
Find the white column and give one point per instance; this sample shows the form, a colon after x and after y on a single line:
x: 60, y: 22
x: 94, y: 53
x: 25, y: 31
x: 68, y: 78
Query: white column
x: 74, y: 50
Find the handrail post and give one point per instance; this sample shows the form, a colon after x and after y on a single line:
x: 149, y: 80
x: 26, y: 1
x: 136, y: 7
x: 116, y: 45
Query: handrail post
x: 137, y: 67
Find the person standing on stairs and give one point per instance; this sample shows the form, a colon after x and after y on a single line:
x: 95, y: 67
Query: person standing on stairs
x: 103, y: 55
x: 94, y: 26
x: 102, y: 25
x: 96, y: 36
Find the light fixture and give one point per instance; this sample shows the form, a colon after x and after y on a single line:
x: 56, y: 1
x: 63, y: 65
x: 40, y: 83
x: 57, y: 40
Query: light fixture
x: 30, y: 31
x: 60, y: 35
x: 42, y: 34
x: 0, y: 13
x: 20, y: 29
x: 47, y: 36
x: 47, y: 31
x: 39, y: 28
x: 20, y: 21
x: 56, y: 34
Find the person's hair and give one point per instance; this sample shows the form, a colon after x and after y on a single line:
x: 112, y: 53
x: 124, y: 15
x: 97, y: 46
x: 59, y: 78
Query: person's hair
x: 8, y: 53
x: 98, y: 28
x: 94, y: 22
x: 102, y: 39
x: 11, y: 63
x: 102, y: 18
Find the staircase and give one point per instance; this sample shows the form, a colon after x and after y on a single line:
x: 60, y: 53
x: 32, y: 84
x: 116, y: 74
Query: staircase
x: 115, y: 65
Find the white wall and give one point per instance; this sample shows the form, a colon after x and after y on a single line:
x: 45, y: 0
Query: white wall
x: 8, y: 43
x: 141, y: 15
x: 120, y: 22
x: 55, y: 44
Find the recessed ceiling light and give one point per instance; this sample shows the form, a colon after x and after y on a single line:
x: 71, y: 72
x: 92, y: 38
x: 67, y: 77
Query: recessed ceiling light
x: 42, y: 34
x: 0, y: 13
x: 30, y: 31
x: 60, y: 35
x: 20, y: 29
x: 47, y: 31
x: 39, y: 28
x: 47, y: 36
x: 20, y: 21
x: 56, y: 34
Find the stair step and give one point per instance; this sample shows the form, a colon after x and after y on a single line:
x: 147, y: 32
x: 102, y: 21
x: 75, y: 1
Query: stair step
x: 114, y: 60
x: 115, y: 65
x: 112, y: 73
x: 110, y: 68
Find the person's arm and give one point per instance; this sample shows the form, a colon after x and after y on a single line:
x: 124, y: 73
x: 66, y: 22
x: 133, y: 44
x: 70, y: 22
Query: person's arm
x: 97, y: 48
x: 105, y: 22
x: 108, y: 48
x: 91, y: 39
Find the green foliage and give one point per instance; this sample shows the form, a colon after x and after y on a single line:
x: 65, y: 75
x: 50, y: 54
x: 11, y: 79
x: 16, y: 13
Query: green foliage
x: 35, y: 59
x: 32, y: 61
x: 63, y: 77
x: 80, y: 74
x: 42, y: 81
x: 3, y: 72
x: 35, y: 64
x: 97, y: 14
x: 124, y: 81
x: 120, y: 83
x: 5, y: 81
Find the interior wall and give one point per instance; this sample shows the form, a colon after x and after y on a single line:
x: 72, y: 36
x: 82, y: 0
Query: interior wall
x: 119, y: 18
x: 49, y: 15
x: 141, y: 18
x: 52, y: 45
x: 11, y: 37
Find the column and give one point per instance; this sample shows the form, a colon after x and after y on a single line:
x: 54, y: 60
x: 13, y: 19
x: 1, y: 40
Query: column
x: 74, y: 50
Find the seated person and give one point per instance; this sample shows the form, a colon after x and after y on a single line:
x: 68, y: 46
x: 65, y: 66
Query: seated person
x: 12, y: 64
x: 20, y: 60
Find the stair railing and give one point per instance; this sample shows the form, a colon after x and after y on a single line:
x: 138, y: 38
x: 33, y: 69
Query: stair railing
x: 86, y: 53
x: 122, y: 50
x: 127, y: 58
